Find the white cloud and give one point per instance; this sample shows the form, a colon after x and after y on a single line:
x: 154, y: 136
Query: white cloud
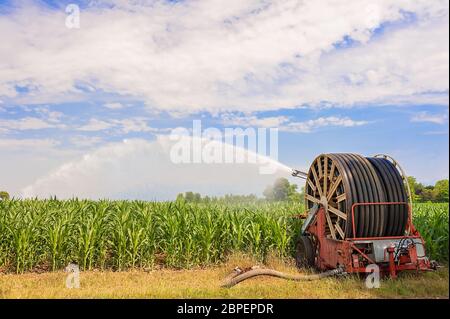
x: 114, y: 106
x: 125, y: 126
x: 50, y: 116
x: 133, y: 125
x: 95, y: 125
x: 25, y: 160
x: 27, y: 123
x: 141, y: 169
x: 426, y: 117
x: 85, y: 141
x: 230, y: 56
x: 310, y: 125
x: 247, y: 121
x: 403, y: 67
x: 284, y: 123
x: 27, y: 144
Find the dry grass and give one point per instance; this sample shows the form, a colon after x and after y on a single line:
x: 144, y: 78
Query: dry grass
x: 205, y: 283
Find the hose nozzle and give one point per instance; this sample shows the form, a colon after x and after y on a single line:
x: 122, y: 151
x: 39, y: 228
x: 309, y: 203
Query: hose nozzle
x: 300, y: 174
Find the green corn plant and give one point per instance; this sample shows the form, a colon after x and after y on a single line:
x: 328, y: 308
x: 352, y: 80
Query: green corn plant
x: 135, y: 241
x: 58, y: 239
x: 255, y: 239
x: 128, y: 234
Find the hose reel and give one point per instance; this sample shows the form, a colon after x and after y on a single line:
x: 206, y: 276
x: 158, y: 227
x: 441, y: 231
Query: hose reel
x: 338, y: 181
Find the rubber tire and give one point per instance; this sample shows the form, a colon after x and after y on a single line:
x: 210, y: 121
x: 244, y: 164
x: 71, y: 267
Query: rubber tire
x: 305, y: 253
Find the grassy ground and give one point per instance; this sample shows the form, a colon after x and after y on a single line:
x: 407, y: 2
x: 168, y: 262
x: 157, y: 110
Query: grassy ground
x: 205, y: 283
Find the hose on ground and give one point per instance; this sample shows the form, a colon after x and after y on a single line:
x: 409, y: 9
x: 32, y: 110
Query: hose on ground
x: 230, y: 281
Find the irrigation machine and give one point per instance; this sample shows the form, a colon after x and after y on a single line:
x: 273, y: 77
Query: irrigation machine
x: 359, y: 214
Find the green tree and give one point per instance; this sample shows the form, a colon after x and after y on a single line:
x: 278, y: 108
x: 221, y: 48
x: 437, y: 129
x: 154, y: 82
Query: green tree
x: 197, y: 198
x: 419, y: 192
x: 441, y: 191
x: 412, y: 182
x: 293, y: 195
x: 189, y: 197
x: 180, y: 197
x: 427, y: 194
x: 436, y: 193
x: 282, y: 190
x: 4, y: 195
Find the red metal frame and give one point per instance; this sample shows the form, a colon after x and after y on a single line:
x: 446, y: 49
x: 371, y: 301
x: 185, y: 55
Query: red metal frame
x: 333, y: 253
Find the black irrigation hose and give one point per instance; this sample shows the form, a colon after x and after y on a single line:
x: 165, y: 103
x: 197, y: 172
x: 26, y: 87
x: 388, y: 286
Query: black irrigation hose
x: 367, y: 180
x: 370, y: 211
x: 391, y: 195
x: 234, y: 280
x: 394, y: 192
x: 381, y: 197
x: 364, y: 216
x: 403, y: 209
x: 395, y: 197
x: 364, y: 186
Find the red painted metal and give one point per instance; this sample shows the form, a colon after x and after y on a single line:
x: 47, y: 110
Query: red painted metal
x: 388, y: 237
x: 392, y: 270
x: 362, y: 254
x: 352, y: 253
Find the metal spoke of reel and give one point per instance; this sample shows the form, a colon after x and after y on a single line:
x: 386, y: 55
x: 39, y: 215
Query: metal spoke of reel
x: 324, y: 187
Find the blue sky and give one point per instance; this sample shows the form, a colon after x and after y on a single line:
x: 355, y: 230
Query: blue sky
x: 374, y: 80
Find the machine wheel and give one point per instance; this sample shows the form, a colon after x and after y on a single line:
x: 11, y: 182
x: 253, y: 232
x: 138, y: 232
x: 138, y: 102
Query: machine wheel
x: 305, y: 254
x: 336, y: 182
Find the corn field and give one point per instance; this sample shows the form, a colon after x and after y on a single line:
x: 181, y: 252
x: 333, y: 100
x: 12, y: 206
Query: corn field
x: 48, y: 234
x: 432, y: 222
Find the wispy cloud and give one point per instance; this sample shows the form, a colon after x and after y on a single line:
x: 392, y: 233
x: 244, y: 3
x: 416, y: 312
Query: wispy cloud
x: 47, y: 114
x: 114, y: 106
x: 234, y: 56
x: 430, y: 118
x: 133, y: 125
x: 311, y: 125
x: 28, y: 144
x: 85, y: 141
x: 124, y: 126
x: 43, y: 118
x: 28, y: 123
x: 247, y: 121
x: 95, y: 125
x: 284, y: 123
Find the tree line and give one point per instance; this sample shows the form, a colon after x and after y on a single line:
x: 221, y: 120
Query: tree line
x: 437, y: 193
x: 282, y: 190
